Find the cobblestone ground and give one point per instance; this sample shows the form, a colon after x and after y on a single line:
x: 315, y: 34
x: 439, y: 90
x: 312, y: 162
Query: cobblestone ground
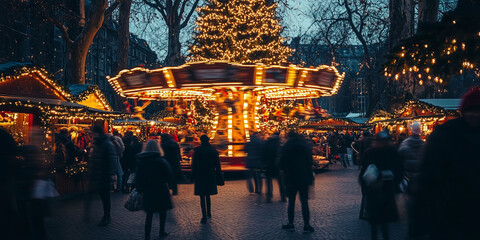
x: 236, y: 215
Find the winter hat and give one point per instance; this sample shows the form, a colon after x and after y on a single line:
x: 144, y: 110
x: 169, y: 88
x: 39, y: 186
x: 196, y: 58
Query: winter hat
x: 416, y: 128
x: 204, y: 139
x: 471, y: 99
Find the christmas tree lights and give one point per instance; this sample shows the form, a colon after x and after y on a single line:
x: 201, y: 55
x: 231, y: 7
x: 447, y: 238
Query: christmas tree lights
x: 243, y: 31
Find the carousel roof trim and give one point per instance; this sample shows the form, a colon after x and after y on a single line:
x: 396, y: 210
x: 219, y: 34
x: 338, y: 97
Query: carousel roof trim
x: 168, y: 79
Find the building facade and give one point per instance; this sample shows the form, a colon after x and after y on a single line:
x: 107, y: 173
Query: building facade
x: 28, y: 38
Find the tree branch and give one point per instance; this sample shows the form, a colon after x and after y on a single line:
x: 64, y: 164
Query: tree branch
x: 109, y: 11
x: 355, y: 30
x: 185, y: 22
x: 63, y: 29
x: 93, y: 25
x: 157, y: 5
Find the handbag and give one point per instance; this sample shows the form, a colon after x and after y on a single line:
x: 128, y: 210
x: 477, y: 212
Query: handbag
x: 371, y: 174
x: 219, y: 178
x: 44, y: 189
x: 403, y: 185
x: 131, y: 178
x: 135, y: 201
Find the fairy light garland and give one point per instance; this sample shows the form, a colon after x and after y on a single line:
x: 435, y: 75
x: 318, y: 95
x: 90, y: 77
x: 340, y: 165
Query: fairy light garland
x: 244, y: 31
x: 446, y: 49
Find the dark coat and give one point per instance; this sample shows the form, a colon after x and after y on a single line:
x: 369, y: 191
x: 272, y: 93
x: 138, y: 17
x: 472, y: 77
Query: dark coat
x: 103, y: 163
x: 130, y: 155
x: 172, y: 155
x: 254, y: 150
x: 296, y: 162
x: 362, y: 146
x: 205, y: 167
x: 449, y: 191
x: 380, y: 196
x: 152, y: 179
x: 410, y: 151
x: 270, y: 155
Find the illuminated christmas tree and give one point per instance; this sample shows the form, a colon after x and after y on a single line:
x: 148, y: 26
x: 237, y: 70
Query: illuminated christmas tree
x: 244, y: 31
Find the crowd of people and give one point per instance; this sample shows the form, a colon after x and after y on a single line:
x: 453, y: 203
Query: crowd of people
x: 440, y: 177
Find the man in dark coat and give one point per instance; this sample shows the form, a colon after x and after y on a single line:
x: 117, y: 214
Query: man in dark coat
x: 270, y: 162
x: 102, y: 170
x: 253, y: 162
x: 296, y: 163
x: 205, y: 169
x: 134, y: 148
x: 449, y: 188
x: 173, y: 156
x: 380, y: 196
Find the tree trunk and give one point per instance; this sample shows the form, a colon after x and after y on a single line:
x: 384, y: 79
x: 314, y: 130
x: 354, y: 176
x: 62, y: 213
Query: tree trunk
x: 401, y: 21
x: 76, y: 65
x: 427, y: 12
x: 123, y: 35
x: 79, y: 47
x: 173, y: 55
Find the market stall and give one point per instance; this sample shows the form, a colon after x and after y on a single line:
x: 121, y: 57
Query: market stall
x: 429, y: 112
x: 31, y: 102
x: 321, y: 129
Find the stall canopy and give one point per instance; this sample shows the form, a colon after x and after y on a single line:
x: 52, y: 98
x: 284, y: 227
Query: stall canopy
x: 333, y: 124
x: 140, y: 122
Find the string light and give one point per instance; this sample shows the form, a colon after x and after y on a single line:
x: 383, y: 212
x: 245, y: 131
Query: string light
x: 250, y: 35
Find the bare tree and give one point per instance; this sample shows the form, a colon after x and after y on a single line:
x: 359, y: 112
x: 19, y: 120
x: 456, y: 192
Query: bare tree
x: 78, y: 24
x: 176, y: 17
x: 339, y: 23
x: 123, y: 34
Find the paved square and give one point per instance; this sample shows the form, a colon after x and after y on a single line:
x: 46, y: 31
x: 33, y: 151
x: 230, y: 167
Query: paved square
x: 236, y: 215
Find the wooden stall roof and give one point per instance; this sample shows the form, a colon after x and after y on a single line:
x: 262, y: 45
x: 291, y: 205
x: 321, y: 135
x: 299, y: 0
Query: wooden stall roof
x: 90, y: 96
x: 33, y: 89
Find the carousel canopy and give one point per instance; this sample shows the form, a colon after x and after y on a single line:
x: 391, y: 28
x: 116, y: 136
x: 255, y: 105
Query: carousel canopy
x: 202, y: 78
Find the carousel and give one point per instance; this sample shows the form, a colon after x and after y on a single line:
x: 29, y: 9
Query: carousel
x: 235, y: 92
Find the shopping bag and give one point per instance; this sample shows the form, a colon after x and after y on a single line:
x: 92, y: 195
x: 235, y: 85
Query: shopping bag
x: 134, y: 202
x: 371, y: 174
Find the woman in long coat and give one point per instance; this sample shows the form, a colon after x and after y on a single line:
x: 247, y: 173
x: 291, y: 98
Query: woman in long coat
x: 205, y: 168
x: 380, y: 196
x: 153, y: 176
